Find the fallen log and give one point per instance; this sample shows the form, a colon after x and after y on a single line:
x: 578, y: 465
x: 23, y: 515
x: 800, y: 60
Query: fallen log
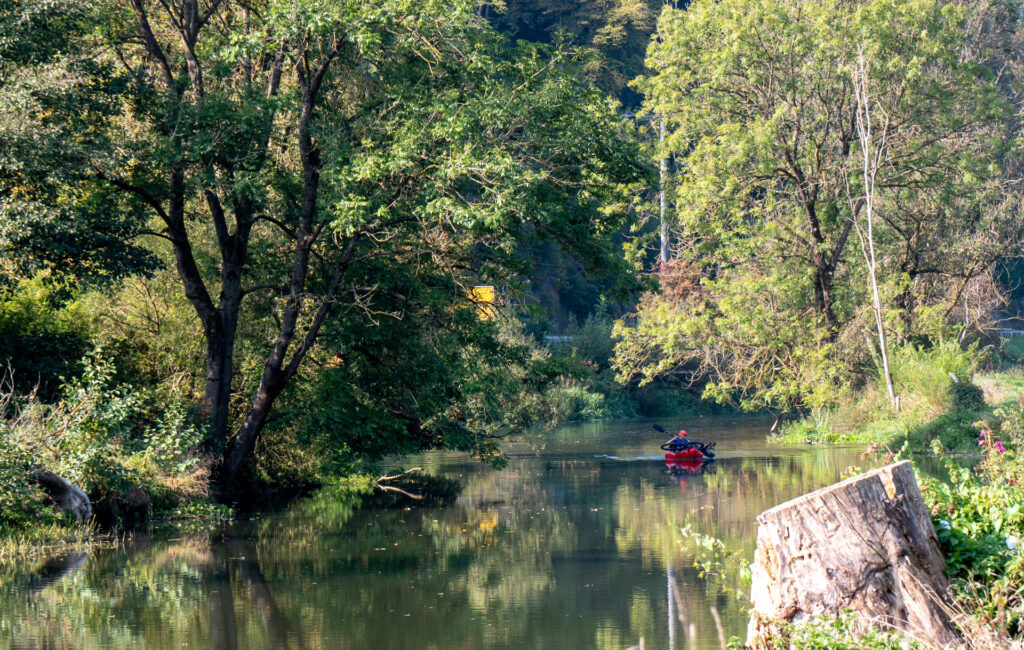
x: 866, y: 544
x: 66, y: 495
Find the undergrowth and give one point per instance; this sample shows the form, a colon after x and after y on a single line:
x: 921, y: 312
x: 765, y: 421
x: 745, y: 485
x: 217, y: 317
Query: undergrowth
x: 940, y: 396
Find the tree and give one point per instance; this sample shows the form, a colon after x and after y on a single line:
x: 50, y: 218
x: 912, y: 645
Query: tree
x: 616, y: 33
x: 872, y: 154
x: 52, y: 100
x: 285, y: 150
x: 766, y: 128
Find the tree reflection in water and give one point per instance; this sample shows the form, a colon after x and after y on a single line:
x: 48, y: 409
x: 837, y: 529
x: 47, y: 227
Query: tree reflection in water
x: 562, y: 549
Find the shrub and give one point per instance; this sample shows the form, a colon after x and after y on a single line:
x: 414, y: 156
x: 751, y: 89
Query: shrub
x: 108, y: 438
x: 979, y: 520
x: 966, y: 396
x: 574, y: 402
x: 21, y: 501
x: 40, y: 341
x: 923, y: 375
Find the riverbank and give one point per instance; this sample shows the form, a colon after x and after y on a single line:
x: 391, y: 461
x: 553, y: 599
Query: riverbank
x: 935, y: 410
x: 976, y: 426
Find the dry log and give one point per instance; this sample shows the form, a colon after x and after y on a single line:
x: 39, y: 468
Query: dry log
x: 66, y: 495
x: 866, y: 544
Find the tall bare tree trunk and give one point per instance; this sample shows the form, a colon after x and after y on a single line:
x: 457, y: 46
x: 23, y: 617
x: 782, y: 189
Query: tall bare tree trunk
x: 662, y: 179
x: 872, y: 156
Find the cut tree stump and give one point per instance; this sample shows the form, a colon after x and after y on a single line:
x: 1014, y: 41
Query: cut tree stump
x: 866, y: 544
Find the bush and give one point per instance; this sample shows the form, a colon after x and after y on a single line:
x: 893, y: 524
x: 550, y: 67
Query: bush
x: 590, y: 345
x: 107, y: 438
x: 966, y: 396
x: 979, y: 520
x: 21, y: 501
x: 574, y: 402
x: 923, y: 375
x: 40, y: 341
x: 932, y: 405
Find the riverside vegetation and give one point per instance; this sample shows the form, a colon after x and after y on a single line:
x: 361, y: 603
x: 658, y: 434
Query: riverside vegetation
x: 238, y: 242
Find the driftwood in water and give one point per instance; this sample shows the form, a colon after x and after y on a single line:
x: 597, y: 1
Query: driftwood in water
x: 866, y: 544
x: 65, y: 494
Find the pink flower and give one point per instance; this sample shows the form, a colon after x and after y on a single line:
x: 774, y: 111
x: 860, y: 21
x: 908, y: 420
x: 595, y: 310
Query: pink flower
x: 999, y: 446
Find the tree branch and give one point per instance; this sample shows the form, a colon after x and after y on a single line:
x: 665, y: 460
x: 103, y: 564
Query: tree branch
x: 142, y: 193
x: 153, y: 47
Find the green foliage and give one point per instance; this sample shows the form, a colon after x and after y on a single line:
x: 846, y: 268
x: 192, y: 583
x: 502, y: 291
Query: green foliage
x: 954, y: 430
x: 171, y: 441
x: 79, y: 435
x: 925, y: 374
x: 843, y: 632
x: 41, y: 340
x: 1013, y: 347
x: 596, y: 392
x: 151, y: 331
x: 53, y: 106
x: 310, y: 164
x: 932, y: 405
x: 818, y: 428
x: 106, y: 437
x: 768, y: 295
x: 203, y: 510
x: 979, y: 520
x: 615, y: 31
x: 575, y: 402
x: 22, y: 503
x: 966, y: 396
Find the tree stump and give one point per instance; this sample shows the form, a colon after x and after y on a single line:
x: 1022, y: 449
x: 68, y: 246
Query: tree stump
x: 866, y: 544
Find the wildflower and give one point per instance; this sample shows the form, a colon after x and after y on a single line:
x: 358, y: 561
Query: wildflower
x: 999, y: 446
x: 1011, y: 542
x: 943, y: 525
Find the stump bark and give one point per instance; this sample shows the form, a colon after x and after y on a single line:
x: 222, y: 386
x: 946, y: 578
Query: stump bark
x: 866, y: 544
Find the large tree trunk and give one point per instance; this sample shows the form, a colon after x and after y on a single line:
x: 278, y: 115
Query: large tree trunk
x: 865, y: 544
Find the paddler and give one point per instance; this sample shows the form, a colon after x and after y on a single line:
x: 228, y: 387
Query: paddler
x: 680, y: 441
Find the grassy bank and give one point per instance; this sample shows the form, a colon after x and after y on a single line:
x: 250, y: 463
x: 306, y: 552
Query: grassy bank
x: 941, y: 395
x: 45, y: 540
x: 867, y: 418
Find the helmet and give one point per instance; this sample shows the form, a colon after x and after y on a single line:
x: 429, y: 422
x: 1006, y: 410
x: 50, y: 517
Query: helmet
x: 681, y: 434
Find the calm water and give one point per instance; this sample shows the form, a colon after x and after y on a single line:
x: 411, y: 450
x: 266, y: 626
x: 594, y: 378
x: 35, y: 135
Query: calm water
x: 575, y: 545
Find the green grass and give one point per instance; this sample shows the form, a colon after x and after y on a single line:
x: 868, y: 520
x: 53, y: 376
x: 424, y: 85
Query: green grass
x: 46, y: 540
x: 928, y: 414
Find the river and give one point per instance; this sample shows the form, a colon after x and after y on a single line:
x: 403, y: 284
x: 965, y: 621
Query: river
x: 576, y: 544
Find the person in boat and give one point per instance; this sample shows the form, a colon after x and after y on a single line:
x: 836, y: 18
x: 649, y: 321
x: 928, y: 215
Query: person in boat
x: 679, y: 442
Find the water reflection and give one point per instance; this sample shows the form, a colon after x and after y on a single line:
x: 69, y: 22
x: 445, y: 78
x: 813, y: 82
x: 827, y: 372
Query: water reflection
x: 562, y: 549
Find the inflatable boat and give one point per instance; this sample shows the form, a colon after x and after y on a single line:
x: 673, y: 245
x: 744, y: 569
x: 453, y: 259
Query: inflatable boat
x: 690, y: 450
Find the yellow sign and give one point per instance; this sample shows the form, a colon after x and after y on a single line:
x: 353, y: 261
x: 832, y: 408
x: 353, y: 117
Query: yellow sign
x: 484, y: 295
